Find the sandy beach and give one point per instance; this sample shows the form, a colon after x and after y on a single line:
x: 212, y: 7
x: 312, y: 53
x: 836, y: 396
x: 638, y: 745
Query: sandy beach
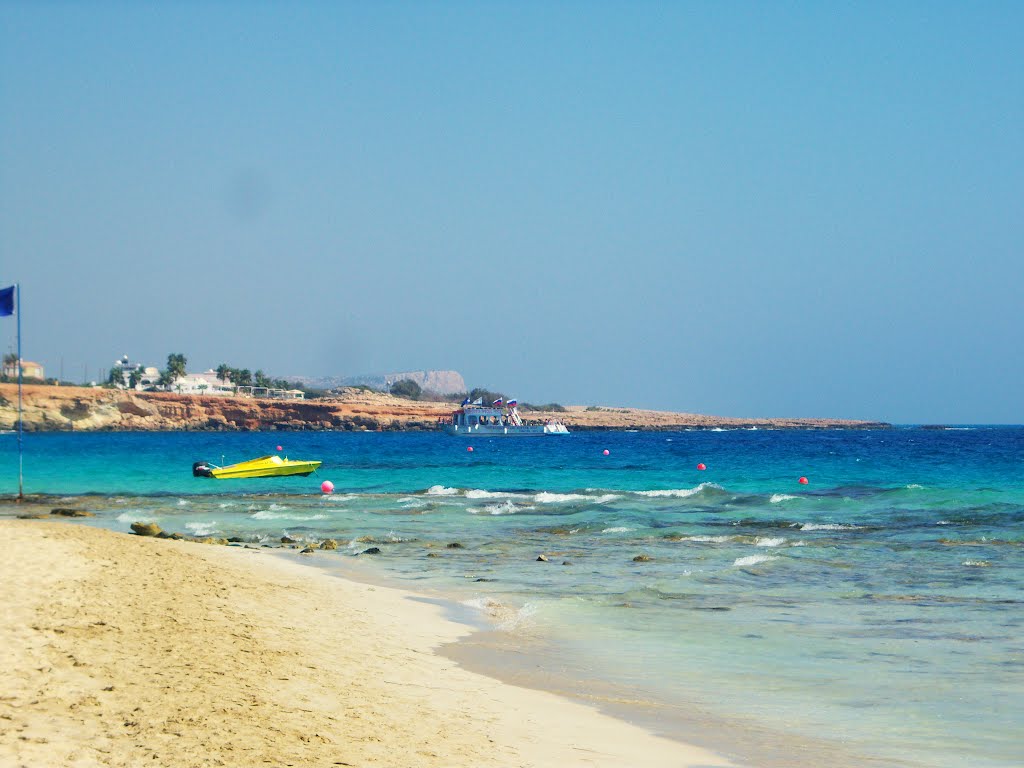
x: 124, y: 651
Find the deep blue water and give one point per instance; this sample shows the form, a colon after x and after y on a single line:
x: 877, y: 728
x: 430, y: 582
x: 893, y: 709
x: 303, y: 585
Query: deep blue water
x: 878, y: 609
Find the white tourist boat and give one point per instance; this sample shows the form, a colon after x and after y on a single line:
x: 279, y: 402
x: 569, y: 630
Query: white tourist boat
x: 497, y: 420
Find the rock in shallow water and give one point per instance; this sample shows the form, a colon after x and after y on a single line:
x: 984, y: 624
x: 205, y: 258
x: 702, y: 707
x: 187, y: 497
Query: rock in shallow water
x: 66, y: 512
x: 371, y: 551
x: 146, y: 529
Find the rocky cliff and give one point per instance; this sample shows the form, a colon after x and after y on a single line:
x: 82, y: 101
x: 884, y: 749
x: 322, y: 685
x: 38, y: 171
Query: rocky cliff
x: 91, y: 409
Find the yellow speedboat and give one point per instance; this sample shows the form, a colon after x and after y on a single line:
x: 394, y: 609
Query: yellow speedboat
x: 264, y: 466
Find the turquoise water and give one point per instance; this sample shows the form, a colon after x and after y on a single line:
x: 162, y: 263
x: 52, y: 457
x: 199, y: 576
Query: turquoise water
x: 876, y: 611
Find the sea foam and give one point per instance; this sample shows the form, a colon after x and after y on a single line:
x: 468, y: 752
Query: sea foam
x: 202, y: 529
x: 266, y: 514
x: 440, y: 490
x: 506, y: 617
x: 546, y: 497
x: 135, y: 517
x: 753, y: 560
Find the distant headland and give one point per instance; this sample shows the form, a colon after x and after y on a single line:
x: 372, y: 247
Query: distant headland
x: 68, y: 408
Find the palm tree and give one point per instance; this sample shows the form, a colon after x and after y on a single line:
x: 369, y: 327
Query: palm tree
x: 224, y: 372
x: 176, y: 365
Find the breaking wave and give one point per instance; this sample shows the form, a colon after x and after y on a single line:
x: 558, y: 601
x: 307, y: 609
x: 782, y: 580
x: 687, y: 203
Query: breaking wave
x: 681, y: 493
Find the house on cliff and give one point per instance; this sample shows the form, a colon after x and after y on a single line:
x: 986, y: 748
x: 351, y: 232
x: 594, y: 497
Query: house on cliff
x: 29, y: 370
x: 125, y: 374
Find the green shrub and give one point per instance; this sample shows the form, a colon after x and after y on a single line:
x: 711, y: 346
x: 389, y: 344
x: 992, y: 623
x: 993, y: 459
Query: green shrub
x: 407, y: 388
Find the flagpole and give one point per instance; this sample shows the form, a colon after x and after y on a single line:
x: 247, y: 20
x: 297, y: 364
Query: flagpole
x: 21, y: 491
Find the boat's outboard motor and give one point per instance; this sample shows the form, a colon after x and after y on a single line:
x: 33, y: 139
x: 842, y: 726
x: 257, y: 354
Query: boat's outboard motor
x: 201, y: 469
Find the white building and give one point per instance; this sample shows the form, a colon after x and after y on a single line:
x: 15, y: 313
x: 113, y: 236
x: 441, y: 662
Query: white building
x: 205, y: 383
x: 146, y: 376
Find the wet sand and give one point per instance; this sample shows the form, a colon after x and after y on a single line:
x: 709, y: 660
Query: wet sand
x: 122, y: 651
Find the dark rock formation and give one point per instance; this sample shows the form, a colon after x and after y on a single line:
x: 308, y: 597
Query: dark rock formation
x: 65, y: 512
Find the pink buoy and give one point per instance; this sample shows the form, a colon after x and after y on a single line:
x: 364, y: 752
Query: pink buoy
x: 469, y: 449
x: 702, y: 466
x: 279, y: 448
x: 803, y: 481
x: 606, y: 452
x: 327, y: 486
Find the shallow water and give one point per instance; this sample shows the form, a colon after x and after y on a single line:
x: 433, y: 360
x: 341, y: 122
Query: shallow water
x: 877, y: 610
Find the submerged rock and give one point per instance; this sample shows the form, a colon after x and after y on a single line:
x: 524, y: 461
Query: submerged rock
x: 66, y: 512
x: 642, y: 559
x: 146, y: 529
x: 371, y: 551
x: 541, y: 559
x: 307, y: 551
x: 236, y: 540
x: 287, y: 540
x: 34, y: 516
x: 328, y: 544
x: 454, y: 545
x: 166, y: 535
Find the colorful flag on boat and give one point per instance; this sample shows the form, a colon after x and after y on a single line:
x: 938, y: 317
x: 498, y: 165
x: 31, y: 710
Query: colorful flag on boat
x: 478, y: 401
x: 466, y: 401
x: 497, y: 403
x: 513, y: 403
x: 6, y: 301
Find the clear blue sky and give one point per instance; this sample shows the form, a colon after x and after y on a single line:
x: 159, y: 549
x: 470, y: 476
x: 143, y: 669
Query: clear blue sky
x: 751, y: 209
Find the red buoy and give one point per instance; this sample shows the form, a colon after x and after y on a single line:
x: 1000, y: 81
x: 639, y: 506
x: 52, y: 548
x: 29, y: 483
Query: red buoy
x: 606, y: 452
x: 702, y: 466
x: 470, y: 448
x: 327, y: 486
x: 279, y: 448
x: 803, y: 481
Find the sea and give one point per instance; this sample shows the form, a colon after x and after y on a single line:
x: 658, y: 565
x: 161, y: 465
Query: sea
x: 873, y: 616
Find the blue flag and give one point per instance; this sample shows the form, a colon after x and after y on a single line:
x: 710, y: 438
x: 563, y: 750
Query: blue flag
x: 6, y: 301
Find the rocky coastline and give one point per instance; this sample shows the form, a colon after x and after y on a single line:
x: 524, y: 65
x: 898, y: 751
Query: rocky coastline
x: 62, y: 409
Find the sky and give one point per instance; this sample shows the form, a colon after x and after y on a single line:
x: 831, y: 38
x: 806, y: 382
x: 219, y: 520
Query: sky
x: 735, y: 208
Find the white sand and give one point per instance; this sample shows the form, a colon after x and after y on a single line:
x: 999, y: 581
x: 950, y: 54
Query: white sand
x: 118, y: 650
